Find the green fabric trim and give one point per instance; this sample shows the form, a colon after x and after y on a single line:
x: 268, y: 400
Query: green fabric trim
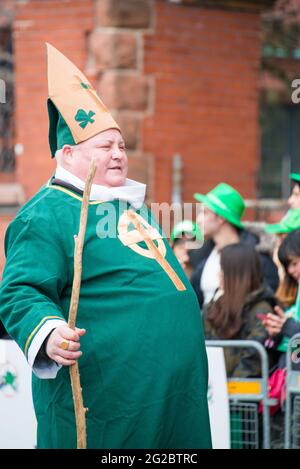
x: 59, y: 132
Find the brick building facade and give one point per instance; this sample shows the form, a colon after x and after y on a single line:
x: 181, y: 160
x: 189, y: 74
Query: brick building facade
x: 179, y: 77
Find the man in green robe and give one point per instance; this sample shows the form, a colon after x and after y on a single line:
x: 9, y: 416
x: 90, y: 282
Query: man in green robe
x: 139, y: 340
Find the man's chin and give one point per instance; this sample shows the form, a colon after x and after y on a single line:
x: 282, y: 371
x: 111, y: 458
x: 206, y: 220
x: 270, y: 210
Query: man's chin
x: 113, y: 180
x: 116, y: 181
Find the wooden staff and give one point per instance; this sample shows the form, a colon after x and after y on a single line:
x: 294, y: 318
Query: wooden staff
x: 79, y: 408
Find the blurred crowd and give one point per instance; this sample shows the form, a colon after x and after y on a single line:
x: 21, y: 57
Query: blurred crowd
x: 245, y: 290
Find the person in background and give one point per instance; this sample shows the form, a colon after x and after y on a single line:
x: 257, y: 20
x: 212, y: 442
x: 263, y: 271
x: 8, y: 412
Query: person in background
x: 222, y: 225
x: 287, y: 289
x: 294, y: 199
x: 237, y: 309
x: 282, y: 324
x: 185, y: 236
x: 287, y: 323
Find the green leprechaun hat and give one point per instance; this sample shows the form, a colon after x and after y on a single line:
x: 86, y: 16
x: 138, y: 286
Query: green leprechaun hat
x: 186, y: 227
x: 290, y: 222
x: 295, y: 177
x: 76, y: 112
x: 226, y: 202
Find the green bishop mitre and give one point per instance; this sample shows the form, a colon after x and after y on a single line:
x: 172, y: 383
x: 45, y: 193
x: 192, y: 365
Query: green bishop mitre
x: 76, y: 112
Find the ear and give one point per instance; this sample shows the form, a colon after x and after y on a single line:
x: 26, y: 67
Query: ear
x: 67, y: 154
x: 221, y: 220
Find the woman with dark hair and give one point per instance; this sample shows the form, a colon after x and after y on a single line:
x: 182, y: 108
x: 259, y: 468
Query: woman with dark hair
x: 287, y: 323
x: 284, y: 324
x: 235, y: 311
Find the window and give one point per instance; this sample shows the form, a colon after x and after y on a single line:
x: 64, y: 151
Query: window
x: 7, y: 157
x: 281, y: 38
x: 280, y: 149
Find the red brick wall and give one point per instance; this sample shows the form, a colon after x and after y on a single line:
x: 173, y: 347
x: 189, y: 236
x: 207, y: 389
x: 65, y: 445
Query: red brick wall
x: 201, y: 67
x: 7, y: 8
x: 205, y: 68
x: 64, y: 24
x: 205, y: 64
x: 4, y: 221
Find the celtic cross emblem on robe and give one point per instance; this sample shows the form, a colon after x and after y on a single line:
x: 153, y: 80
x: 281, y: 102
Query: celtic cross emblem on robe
x: 145, y: 232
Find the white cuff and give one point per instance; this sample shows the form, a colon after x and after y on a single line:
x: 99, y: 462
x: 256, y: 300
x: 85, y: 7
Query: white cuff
x: 43, y: 369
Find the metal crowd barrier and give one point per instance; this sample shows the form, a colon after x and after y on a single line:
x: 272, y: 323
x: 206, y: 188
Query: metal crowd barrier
x: 292, y: 403
x: 244, y: 397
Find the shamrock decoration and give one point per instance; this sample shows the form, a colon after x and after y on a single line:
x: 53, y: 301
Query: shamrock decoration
x: 84, y: 118
x: 8, y: 380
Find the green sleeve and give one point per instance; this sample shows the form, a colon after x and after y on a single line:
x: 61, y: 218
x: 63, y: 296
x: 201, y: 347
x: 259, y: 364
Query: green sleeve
x: 34, y: 277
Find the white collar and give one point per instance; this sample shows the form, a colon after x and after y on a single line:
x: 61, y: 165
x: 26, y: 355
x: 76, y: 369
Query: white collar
x: 133, y: 192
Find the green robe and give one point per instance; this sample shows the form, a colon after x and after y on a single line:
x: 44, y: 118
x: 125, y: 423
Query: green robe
x: 144, y: 367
